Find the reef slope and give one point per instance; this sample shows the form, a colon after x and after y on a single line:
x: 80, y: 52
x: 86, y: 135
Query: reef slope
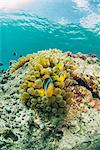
x: 22, y: 129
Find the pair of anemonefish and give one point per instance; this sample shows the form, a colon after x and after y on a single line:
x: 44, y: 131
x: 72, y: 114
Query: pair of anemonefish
x: 48, y: 83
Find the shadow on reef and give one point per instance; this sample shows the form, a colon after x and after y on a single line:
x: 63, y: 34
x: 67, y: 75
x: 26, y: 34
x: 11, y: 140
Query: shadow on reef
x: 83, y: 83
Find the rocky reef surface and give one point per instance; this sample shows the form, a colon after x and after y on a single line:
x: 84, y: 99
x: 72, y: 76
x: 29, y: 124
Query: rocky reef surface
x: 22, y: 128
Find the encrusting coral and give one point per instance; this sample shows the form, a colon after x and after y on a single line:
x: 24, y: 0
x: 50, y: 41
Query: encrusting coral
x: 42, y: 88
x: 86, y: 73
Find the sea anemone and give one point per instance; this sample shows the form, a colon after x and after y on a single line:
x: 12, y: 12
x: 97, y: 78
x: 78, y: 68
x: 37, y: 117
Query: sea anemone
x: 42, y: 88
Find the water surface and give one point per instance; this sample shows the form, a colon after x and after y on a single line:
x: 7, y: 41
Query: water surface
x: 68, y: 25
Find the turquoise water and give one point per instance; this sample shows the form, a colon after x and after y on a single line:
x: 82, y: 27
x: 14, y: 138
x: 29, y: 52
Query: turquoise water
x: 24, y: 33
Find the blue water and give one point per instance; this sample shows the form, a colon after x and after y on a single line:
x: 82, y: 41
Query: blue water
x: 24, y: 33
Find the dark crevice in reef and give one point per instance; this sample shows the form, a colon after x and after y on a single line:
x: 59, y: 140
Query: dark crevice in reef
x: 5, y: 77
x: 10, y: 134
x: 83, y: 83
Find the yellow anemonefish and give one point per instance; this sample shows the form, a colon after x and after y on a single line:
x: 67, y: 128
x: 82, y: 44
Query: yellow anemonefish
x: 62, y: 76
x: 48, y: 87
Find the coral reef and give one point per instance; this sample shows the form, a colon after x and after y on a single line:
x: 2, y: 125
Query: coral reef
x: 21, y: 127
x: 44, y: 87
